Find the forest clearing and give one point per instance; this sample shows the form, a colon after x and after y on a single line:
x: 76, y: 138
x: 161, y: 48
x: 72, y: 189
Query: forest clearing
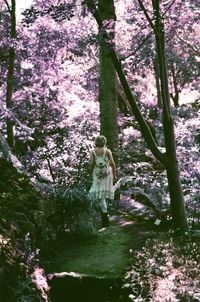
x: 108, y: 81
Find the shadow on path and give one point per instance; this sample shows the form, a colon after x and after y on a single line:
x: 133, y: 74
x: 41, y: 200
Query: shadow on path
x: 92, y: 269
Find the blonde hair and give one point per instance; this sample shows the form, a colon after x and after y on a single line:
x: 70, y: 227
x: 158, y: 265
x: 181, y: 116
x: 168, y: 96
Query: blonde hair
x: 100, y: 141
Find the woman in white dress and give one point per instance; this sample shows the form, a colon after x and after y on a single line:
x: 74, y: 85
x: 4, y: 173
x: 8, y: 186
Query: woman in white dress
x: 103, y: 172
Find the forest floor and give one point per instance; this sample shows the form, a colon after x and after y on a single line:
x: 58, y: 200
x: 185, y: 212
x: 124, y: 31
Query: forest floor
x: 92, y: 268
x: 102, y: 267
x: 106, y: 254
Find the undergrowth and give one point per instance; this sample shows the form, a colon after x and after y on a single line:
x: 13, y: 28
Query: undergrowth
x: 166, y: 269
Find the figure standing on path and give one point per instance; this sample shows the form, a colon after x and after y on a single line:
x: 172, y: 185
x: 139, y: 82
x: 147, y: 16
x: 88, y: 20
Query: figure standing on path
x: 103, y: 172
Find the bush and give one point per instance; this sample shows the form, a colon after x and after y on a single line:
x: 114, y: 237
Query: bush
x: 166, y: 269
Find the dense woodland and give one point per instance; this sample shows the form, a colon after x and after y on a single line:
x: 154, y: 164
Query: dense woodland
x: 72, y: 69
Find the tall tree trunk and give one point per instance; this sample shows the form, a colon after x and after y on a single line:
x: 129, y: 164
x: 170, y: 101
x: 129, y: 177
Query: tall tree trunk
x: 157, y: 78
x: 107, y: 82
x: 10, y: 75
x: 175, y: 189
x: 168, y: 159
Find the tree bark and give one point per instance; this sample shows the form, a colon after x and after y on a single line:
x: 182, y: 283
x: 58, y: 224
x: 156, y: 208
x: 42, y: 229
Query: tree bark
x: 175, y: 189
x: 10, y: 75
x: 157, y: 78
x: 107, y: 82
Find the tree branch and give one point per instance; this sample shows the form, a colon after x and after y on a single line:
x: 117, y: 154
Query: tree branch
x: 141, y: 44
x: 145, y: 39
x: 168, y: 8
x: 9, y: 112
x: 9, y: 156
x: 196, y: 51
x: 146, y: 14
x: 8, y: 7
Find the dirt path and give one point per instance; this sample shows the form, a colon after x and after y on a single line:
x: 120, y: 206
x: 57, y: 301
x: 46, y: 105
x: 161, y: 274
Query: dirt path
x: 107, y: 255
x: 92, y: 269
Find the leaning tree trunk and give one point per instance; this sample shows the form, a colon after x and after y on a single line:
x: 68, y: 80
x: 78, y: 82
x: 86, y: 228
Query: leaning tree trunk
x: 175, y: 189
x: 169, y: 158
x: 10, y: 75
x: 107, y: 81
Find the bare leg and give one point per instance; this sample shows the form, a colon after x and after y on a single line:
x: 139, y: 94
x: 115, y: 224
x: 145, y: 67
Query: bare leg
x: 104, y: 214
x: 103, y: 205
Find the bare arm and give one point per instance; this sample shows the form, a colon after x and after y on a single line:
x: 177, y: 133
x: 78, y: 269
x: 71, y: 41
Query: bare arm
x: 91, y: 163
x: 112, y: 164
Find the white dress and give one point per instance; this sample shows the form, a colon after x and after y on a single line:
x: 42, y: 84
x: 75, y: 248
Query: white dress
x: 102, y: 188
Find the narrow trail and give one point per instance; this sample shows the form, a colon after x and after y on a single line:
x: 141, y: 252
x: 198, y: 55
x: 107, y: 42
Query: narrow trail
x: 92, y: 269
x: 106, y: 255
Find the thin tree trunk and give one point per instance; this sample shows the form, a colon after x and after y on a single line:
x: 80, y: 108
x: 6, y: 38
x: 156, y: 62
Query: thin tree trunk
x: 107, y: 82
x: 173, y: 176
x: 157, y: 78
x: 126, y: 107
x: 175, y: 97
x: 10, y: 76
x: 175, y: 189
x: 50, y: 169
x: 9, y: 92
x: 122, y: 104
